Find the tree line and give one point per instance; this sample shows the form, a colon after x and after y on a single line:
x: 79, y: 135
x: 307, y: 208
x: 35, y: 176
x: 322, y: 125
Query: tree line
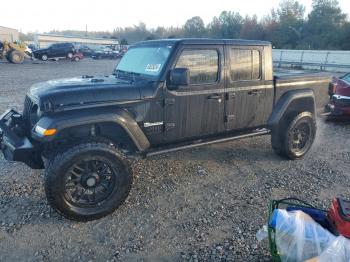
x: 287, y: 26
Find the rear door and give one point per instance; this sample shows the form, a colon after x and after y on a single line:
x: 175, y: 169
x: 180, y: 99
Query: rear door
x: 55, y: 50
x: 249, y: 96
x: 62, y: 50
x: 197, y: 110
x: 52, y: 50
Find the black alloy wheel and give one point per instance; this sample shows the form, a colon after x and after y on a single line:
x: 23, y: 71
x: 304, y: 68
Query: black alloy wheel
x: 299, y: 136
x: 89, y: 182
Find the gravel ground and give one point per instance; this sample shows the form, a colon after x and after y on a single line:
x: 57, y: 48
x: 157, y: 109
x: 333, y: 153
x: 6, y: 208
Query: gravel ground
x: 204, y: 204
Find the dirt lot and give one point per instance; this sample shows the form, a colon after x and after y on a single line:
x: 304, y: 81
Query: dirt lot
x: 204, y: 204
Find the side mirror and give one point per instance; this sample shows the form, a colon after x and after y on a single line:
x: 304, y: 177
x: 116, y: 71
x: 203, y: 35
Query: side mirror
x: 179, y: 77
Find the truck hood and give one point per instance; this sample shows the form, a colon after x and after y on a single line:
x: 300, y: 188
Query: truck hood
x: 62, y: 94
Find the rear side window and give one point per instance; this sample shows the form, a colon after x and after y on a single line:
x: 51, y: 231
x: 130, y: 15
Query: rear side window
x: 245, y: 64
x: 57, y: 46
x: 203, y: 65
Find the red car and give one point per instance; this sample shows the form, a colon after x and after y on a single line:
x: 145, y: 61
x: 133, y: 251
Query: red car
x: 339, y: 92
x: 77, y: 56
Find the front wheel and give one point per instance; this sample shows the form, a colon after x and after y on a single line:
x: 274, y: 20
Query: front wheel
x: 88, y: 181
x: 296, y: 137
x: 16, y: 57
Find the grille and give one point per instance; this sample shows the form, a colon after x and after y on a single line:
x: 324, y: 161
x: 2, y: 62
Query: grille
x: 341, y: 101
x: 27, y: 112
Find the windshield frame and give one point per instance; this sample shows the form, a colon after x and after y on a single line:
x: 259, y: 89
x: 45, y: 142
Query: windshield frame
x: 161, y: 76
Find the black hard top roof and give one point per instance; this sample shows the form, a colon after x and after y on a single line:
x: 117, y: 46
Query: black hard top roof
x: 204, y: 41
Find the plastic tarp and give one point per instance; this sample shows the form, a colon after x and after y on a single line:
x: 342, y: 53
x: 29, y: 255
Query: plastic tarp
x: 299, y: 238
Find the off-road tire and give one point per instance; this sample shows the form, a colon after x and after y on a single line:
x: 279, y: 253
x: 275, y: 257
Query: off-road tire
x: 16, y: 57
x: 281, y: 140
x: 57, y: 171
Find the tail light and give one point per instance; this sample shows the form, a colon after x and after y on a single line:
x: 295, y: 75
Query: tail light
x: 332, y: 88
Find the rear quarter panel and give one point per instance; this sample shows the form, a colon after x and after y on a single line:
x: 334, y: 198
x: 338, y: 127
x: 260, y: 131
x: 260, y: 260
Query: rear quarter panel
x: 318, y: 82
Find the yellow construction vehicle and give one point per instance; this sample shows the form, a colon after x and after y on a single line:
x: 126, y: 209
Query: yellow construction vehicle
x: 13, y: 52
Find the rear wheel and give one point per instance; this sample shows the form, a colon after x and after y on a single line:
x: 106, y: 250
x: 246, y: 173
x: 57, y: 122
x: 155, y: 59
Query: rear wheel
x: 44, y: 57
x: 70, y: 55
x: 295, y: 138
x: 88, y: 181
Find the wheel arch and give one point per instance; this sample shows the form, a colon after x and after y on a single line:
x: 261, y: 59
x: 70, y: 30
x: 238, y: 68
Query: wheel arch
x: 290, y: 104
x: 116, y: 125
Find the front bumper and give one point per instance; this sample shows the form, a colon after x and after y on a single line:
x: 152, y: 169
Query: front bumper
x: 336, y: 111
x: 17, y: 147
x: 339, y: 106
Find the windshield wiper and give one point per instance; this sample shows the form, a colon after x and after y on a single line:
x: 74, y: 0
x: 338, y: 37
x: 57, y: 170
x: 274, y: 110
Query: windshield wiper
x: 128, y: 73
x: 117, y: 71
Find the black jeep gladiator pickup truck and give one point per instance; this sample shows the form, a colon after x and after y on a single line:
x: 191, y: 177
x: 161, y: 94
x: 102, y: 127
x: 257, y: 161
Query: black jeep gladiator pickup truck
x: 163, y: 95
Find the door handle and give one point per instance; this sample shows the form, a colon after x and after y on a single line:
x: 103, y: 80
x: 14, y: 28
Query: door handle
x: 255, y: 92
x: 215, y: 97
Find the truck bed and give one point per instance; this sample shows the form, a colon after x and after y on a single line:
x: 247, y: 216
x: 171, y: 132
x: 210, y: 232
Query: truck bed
x: 295, y: 79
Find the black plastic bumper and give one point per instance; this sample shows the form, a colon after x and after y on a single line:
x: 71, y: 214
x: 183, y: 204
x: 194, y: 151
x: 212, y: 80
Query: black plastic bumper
x: 15, y: 147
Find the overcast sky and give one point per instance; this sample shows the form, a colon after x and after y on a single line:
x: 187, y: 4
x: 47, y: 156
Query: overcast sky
x: 44, y: 15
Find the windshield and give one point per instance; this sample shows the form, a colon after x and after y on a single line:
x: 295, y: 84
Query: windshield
x: 145, y: 60
x: 346, y: 78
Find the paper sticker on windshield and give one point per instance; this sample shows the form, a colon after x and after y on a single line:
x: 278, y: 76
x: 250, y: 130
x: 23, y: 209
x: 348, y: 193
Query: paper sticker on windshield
x: 152, y: 67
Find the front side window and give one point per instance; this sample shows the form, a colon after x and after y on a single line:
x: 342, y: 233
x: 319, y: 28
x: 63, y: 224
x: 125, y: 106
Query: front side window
x: 144, y: 60
x: 203, y: 65
x: 245, y: 64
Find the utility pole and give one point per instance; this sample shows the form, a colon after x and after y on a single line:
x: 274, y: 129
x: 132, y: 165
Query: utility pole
x: 86, y: 30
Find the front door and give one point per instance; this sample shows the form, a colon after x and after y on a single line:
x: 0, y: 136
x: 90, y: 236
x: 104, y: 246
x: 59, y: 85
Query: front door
x: 197, y: 110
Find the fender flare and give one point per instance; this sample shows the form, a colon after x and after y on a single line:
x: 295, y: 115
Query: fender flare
x: 68, y: 119
x: 286, y: 101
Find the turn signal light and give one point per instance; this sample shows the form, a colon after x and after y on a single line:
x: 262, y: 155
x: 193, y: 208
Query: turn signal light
x: 50, y: 132
x: 45, y: 132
